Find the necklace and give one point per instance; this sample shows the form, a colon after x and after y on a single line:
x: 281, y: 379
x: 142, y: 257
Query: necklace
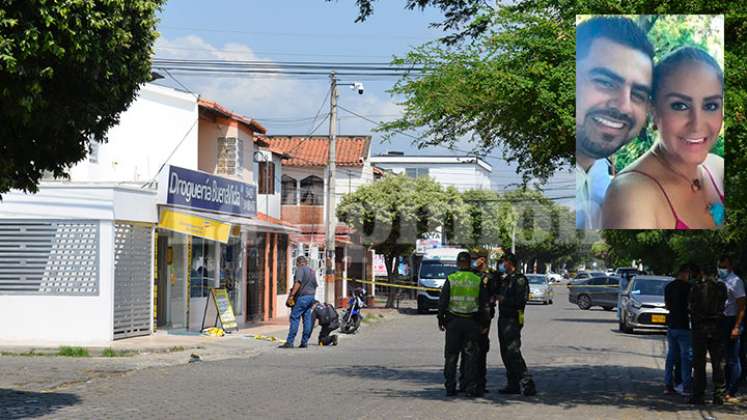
x: 694, y: 183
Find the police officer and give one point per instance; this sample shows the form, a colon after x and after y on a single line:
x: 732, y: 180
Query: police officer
x: 489, y: 287
x: 513, y: 294
x: 706, y: 305
x: 460, y: 314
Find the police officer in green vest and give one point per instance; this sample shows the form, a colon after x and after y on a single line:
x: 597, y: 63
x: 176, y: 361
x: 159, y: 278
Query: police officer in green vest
x: 513, y: 294
x: 461, y: 312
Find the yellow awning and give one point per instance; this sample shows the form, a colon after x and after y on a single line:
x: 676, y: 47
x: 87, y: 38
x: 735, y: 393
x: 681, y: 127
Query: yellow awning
x: 194, y: 225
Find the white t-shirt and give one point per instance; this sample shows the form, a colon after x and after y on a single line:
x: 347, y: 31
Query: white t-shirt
x: 735, y: 290
x: 591, y: 187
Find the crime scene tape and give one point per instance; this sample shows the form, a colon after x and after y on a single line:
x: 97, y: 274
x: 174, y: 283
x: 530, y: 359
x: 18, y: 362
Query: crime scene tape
x: 398, y: 285
x: 264, y: 338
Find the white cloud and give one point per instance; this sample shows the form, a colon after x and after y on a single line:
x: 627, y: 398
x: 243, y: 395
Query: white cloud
x: 278, y: 101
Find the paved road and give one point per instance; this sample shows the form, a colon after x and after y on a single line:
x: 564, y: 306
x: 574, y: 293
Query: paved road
x: 582, y: 366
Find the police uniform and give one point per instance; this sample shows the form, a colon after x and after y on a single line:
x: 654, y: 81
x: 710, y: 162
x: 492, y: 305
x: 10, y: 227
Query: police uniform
x: 489, y: 289
x: 459, y: 312
x: 514, y: 293
x: 706, y: 305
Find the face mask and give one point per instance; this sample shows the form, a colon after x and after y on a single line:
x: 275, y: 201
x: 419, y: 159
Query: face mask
x: 501, y: 268
x: 723, y: 273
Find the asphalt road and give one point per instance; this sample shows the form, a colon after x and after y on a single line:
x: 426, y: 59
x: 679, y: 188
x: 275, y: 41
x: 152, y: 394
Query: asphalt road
x: 583, y: 368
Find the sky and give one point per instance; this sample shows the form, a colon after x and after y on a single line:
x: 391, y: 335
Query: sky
x: 309, y: 30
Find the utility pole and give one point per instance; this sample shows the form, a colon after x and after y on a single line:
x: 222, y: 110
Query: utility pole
x: 329, y: 287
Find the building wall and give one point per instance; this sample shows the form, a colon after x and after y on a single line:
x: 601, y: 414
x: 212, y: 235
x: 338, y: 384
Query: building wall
x: 461, y: 176
x: 58, y: 320
x: 270, y: 204
x: 148, y: 132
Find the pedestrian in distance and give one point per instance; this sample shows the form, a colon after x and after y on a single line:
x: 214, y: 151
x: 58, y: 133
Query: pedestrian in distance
x: 512, y: 299
x: 679, y: 341
x: 301, y: 299
x: 706, y: 306
x: 328, y: 319
x: 460, y: 315
x: 731, y: 324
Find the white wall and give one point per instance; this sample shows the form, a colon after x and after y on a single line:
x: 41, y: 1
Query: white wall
x: 148, y: 132
x: 58, y: 320
x: 463, y: 177
x: 270, y: 204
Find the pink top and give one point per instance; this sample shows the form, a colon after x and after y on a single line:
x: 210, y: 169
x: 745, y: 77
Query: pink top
x: 679, y: 224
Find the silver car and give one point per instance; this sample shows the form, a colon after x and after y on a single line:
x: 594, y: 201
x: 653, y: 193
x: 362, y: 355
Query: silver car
x: 642, y: 304
x: 540, y: 289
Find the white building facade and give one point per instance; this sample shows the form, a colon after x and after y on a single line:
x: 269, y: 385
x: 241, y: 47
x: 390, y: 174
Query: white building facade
x: 461, y: 172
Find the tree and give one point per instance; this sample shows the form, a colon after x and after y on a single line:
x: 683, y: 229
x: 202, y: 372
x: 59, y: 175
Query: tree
x: 511, y: 84
x: 67, y: 70
x: 392, y: 213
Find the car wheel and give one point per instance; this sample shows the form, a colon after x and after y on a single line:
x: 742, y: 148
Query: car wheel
x: 584, y: 302
x: 550, y: 301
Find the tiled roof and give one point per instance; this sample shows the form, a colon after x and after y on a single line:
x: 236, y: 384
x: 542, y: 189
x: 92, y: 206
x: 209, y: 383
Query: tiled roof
x: 313, y: 151
x: 249, y: 123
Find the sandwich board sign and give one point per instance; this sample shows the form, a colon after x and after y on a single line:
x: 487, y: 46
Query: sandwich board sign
x: 220, y: 300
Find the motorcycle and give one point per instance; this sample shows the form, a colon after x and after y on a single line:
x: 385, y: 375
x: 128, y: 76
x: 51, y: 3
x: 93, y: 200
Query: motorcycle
x: 352, y: 316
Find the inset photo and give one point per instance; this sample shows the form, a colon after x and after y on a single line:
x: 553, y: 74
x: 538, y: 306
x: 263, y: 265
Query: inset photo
x: 649, y: 122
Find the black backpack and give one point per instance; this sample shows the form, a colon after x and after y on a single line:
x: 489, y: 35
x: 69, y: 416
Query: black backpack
x: 707, y: 300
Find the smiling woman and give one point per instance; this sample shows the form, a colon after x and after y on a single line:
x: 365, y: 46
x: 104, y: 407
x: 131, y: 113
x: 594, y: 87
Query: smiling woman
x: 677, y: 183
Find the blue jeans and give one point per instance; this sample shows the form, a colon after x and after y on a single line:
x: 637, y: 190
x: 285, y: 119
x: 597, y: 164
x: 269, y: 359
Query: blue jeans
x: 679, y: 345
x: 301, y: 309
x: 731, y: 355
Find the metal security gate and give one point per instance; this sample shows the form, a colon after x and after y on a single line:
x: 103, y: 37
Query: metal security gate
x: 49, y: 258
x: 133, y: 248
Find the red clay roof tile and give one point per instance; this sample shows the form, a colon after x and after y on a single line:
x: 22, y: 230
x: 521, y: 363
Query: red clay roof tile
x: 313, y: 151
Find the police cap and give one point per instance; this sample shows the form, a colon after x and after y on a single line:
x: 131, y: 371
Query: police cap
x: 463, y: 257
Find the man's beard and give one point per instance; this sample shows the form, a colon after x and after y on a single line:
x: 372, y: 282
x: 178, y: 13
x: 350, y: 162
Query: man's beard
x: 604, y: 144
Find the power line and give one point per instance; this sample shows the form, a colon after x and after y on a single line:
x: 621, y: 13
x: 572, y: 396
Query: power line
x: 295, y: 34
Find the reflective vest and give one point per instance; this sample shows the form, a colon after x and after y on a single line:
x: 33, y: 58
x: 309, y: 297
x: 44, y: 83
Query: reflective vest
x: 464, y: 287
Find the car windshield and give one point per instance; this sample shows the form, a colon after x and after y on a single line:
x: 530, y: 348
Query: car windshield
x: 436, y: 269
x: 536, y: 279
x: 649, y: 287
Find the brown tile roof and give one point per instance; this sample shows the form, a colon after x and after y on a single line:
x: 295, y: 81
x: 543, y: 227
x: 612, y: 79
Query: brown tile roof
x: 252, y: 125
x: 313, y: 151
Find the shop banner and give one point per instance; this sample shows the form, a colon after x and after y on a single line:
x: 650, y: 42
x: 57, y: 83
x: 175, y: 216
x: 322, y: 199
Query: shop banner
x: 192, y: 225
x: 202, y: 191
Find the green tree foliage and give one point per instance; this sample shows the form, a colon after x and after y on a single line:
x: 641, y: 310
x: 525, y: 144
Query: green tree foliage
x: 67, y: 70
x: 392, y: 213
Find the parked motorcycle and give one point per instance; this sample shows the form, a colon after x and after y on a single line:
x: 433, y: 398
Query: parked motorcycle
x: 352, y: 316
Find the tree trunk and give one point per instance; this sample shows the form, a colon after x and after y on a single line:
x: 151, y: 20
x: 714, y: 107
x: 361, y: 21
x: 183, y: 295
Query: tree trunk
x: 390, y: 278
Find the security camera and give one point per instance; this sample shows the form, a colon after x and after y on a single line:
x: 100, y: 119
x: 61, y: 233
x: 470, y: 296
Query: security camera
x: 359, y: 87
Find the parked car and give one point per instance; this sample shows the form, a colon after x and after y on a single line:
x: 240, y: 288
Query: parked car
x: 554, y: 277
x: 642, y: 304
x: 627, y: 272
x: 540, y: 289
x: 596, y: 291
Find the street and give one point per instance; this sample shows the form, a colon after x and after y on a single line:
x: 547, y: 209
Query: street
x: 583, y: 368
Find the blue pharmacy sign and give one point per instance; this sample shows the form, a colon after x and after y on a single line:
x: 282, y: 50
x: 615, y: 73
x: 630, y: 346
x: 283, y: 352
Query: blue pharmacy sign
x: 202, y: 191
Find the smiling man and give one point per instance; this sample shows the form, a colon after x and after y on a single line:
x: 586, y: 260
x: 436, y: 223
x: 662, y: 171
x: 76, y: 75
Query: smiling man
x: 614, y: 67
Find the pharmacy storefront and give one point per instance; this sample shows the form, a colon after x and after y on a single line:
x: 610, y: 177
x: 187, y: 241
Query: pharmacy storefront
x: 206, y: 237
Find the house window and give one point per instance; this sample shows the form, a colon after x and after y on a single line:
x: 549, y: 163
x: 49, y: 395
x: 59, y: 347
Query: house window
x: 312, y: 190
x: 416, y: 172
x: 288, y: 190
x: 266, y: 178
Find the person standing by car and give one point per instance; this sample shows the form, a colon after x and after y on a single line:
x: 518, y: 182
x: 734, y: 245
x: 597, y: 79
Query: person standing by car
x: 512, y: 299
x: 731, y: 326
x: 706, y: 306
x: 679, y: 342
x: 301, y: 299
x: 460, y: 315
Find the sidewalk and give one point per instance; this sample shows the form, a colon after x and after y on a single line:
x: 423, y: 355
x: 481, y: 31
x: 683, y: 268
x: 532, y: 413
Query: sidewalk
x: 37, y: 368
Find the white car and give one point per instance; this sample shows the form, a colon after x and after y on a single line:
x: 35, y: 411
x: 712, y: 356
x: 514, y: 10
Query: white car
x: 554, y: 277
